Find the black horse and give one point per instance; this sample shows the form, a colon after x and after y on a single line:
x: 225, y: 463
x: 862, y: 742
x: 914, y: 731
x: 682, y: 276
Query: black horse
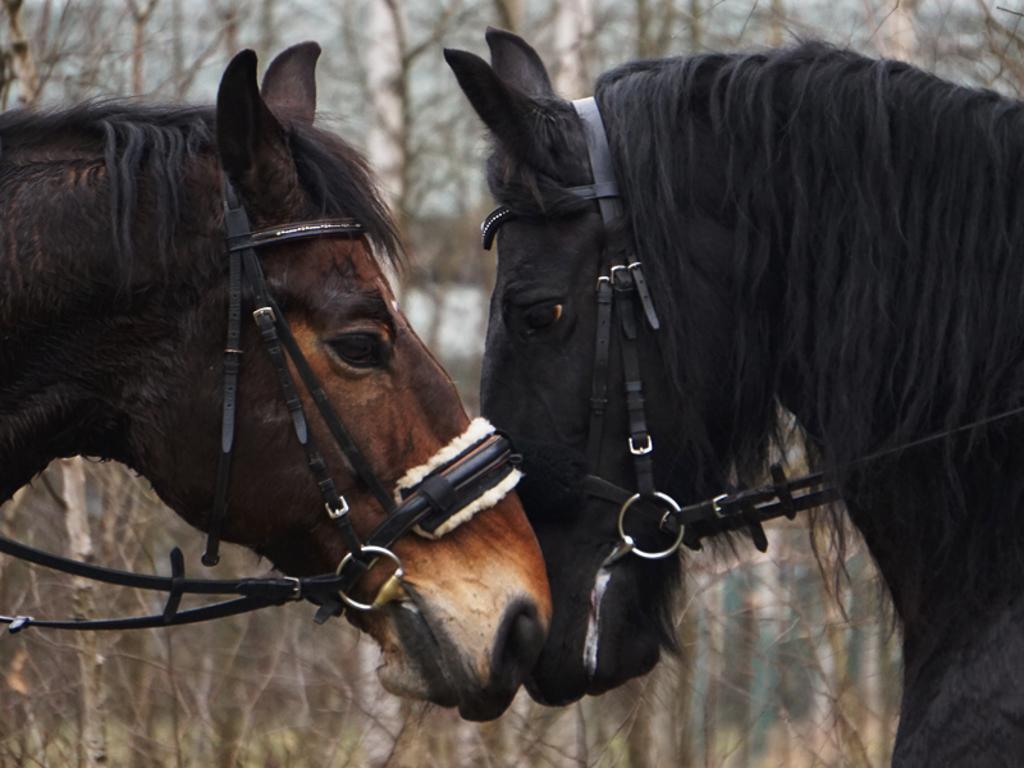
x: 836, y: 235
x: 114, y: 297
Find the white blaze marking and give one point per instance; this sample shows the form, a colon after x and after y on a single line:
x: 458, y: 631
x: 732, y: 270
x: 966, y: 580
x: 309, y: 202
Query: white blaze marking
x: 590, y: 649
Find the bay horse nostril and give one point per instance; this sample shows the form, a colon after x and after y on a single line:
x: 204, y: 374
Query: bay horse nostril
x: 518, y: 644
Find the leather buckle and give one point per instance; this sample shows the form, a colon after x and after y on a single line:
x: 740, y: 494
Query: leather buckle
x: 641, y: 450
x: 341, y: 511
x: 264, y: 312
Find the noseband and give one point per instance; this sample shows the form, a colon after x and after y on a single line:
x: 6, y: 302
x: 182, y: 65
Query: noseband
x: 472, y: 473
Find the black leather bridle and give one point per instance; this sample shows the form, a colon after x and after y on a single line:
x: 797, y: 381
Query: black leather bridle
x: 623, y: 300
x: 619, y: 290
x: 449, y: 487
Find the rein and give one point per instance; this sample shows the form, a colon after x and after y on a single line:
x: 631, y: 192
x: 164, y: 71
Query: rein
x: 623, y: 287
x: 431, y: 506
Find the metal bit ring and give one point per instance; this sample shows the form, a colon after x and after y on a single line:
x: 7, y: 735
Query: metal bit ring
x: 379, y: 551
x: 672, y: 508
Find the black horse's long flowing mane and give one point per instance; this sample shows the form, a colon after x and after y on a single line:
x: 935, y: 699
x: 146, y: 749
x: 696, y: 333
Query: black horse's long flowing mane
x: 146, y: 151
x: 877, y: 272
x: 890, y: 201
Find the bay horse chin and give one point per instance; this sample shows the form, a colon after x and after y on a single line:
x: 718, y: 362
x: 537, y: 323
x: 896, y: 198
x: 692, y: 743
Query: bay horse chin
x: 816, y: 232
x: 135, y: 239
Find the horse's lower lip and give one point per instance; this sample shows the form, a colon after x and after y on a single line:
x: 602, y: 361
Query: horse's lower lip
x: 424, y: 652
x: 449, y: 682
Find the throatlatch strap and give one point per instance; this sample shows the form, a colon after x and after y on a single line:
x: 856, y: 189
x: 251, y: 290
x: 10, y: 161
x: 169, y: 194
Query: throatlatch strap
x: 232, y: 365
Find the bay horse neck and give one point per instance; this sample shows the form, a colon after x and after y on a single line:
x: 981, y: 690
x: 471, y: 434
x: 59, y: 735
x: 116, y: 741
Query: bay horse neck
x: 86, y: 316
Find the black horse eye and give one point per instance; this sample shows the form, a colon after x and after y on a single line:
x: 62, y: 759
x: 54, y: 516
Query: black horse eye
x: 360, y: 349
x: 541, y: 316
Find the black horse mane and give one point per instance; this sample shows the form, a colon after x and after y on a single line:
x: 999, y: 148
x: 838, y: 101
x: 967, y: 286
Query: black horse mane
x: 150, y: 146
x: 878, y: 255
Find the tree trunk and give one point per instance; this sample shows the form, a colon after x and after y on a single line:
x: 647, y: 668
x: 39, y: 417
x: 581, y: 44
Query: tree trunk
x: 387, y: 143
x: 510, y: 14
x: 93, y: 745
x: 23, y: 62
x: 574, y: 31
x: 696, y: 27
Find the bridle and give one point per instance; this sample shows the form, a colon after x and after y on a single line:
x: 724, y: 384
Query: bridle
x: 476, y: 463
x: 621, y: 286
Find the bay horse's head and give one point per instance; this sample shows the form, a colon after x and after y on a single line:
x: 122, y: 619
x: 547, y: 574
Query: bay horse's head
x: 574, y: 372
x: 115, y: 290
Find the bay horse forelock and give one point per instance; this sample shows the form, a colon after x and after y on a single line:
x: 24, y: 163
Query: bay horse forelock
x: 114, y: 295
x: 834, y: 234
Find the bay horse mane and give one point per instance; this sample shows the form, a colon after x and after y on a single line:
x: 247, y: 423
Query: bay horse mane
x: 877, y: 271
x: 125, y: 186
x: 146, y: 151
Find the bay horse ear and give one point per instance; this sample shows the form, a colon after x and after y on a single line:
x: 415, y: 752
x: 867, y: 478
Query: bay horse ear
x: 250, y: 140
x: 506, y: 111
x: 289, y: 84
x: 515, y: 62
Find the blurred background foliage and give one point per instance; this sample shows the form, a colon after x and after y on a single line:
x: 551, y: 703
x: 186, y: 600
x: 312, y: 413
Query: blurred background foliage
x: 786, y: 660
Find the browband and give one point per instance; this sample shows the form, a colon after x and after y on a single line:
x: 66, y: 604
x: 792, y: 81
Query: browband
x: 305, y: 230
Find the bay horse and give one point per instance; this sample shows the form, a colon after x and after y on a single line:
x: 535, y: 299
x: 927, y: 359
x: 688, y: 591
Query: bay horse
x: 115, y: 286
x: 818, y: 232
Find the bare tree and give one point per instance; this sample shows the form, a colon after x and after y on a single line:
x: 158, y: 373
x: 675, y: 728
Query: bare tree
x: 22, y: 60
x: 141, y: 11
x: 574, y: 32
x: 93, y: 721
x: 387, y: 71
x: 509, y: 13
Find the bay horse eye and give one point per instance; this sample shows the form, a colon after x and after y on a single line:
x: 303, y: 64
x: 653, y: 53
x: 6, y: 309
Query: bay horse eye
x: 543, y: 315
x: 360, y: 349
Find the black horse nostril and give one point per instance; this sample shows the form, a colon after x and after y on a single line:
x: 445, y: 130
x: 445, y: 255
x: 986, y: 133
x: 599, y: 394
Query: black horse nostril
x: 518, y: 645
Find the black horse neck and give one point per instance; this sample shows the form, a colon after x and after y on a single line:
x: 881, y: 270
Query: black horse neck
x: 869, y: 274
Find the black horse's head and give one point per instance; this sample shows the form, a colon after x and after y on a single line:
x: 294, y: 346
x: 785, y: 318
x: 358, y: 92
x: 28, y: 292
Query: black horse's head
x: 611, y: 619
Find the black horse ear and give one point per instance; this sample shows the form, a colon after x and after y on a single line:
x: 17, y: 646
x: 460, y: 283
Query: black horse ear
x: 289, y: 84
x: 507, y: 111
x: 515, y: 62
x: 250, y: 140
